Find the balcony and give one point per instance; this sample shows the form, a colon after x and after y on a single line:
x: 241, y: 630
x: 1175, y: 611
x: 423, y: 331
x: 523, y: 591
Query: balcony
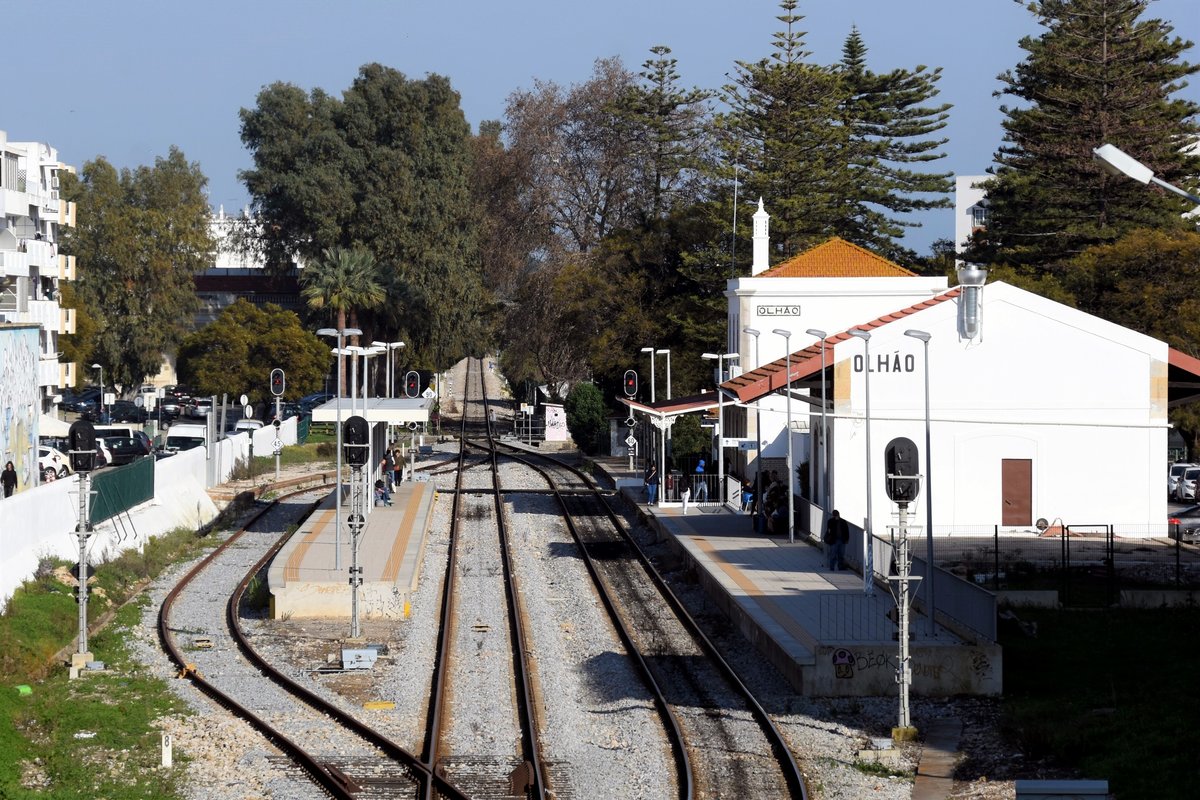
x: 66, y: 322
x: 45, y: 313
x: 42, y: 254
x: 66, y: 214
x: 14, y: 264
x: 66, y: 268
x: 49, y: 372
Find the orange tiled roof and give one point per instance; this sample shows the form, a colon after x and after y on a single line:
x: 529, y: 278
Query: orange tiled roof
x: 836, y: 258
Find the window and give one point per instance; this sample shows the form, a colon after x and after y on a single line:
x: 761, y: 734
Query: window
x: 979, y: 216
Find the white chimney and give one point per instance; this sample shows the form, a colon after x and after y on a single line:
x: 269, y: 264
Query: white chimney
x: 761, y: 240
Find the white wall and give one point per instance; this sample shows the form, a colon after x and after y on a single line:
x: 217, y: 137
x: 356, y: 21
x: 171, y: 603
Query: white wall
x: 1074, y: 394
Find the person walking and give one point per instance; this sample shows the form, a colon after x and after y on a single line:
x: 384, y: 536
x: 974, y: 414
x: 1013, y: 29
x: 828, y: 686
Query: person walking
x: 837, y: 534
x: 652, y: 482
x: 701, y: 483
x: 8, y: 479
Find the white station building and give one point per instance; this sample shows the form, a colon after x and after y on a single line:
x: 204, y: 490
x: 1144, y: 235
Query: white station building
x: 1035, y: 410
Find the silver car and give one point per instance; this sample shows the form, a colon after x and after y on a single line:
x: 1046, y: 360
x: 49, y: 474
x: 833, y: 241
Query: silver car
x: 1174, y: 472
x: 1186, y: 489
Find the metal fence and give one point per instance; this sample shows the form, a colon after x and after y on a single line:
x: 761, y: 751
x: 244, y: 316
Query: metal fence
x: 118, y: 489
x: 1087, y: 564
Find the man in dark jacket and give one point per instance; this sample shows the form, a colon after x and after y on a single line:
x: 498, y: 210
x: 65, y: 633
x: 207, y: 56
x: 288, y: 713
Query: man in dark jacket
x: 837, y: 534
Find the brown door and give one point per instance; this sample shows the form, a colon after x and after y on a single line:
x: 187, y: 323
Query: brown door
x: 1016, y: 490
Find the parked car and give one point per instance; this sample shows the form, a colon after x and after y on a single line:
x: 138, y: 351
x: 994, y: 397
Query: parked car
x: 289, y: 410
x: 1185, y: 524
x: 311, y: 401
x: 1174, y: 472
x: 104, y: 455
x: 52, y: 463
x: 81, y: 401
x: 123, y: 449
x: 250, y: 425
x: 199, y: 408
x: 1186, y: 488
x: 121, y: 431
x: 127, y: 411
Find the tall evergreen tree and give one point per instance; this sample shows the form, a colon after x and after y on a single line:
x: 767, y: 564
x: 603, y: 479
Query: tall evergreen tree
x: 889, y: 126
x: 1098, y: 73
x: 142, y: 236
x: 833, y: 148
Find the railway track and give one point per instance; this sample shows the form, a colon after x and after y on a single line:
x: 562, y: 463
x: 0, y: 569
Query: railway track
x: 721, y: 740
x: 344, y: 760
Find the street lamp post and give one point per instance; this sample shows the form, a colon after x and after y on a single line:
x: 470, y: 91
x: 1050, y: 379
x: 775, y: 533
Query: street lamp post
x: 757, y: 435
x: 787, y: 345
x: 391, y: 366
x: 340, y: 335
x: 929, y: 607
x: 720, y: 358
x: 828, y: 501
x: 868, y: 550
x: 667, y: 353
x: 1118, y: 162
x: 100, y: 367
x: 650, y: 350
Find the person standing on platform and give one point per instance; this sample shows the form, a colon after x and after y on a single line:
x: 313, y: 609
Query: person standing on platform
x: 397, y: 467
x: 701, y: 483
x: 685, y: 491
x: 8, y: 479
x: 837, y: 534
x: 389, y: 470
x: 747, y: 496
x: 652, y: 482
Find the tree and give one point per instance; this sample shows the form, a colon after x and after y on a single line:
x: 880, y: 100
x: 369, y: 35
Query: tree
x: 343, y: 281
x: 141, y: 237
x: 386, y: 169
x: 579, y: 152
x: 832, y: 146
x: 236, y: 352
x: 587, y: 417
x: 1098, y: 73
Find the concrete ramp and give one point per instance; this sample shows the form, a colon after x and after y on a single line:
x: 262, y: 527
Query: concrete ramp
x: 305, y: 580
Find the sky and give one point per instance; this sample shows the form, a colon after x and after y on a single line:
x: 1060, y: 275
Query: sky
x: 127, y: 79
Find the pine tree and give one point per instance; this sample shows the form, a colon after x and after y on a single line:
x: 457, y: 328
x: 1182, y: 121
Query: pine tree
x: 1097, y: 74
x: 832, y: 147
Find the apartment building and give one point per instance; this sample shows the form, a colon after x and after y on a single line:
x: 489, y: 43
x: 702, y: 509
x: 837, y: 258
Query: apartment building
x: 31, y: 266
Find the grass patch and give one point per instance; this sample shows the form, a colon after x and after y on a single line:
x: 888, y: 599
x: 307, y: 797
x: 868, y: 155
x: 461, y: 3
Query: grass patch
x: 1111, y: 693
x: 312, y: 454
x: 40, y: 755
x: 92, y: 737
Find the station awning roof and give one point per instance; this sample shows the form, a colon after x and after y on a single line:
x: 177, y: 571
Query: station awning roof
x: 396, y: 410
x: 675, y: 407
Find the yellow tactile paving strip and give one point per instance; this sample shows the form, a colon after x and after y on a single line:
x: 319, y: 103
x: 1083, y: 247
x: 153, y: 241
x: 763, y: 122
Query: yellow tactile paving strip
x: 291, y: 570
x: 772, y: 609
x: 391, y: 568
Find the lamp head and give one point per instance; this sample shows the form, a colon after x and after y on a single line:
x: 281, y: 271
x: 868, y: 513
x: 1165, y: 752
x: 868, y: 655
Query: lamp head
x: 922, y: 335
x: 97, y: 366
x: 817, y: 333
x: 351, y: 332
x: 710, y: 356
x: 664, y: 351
x: 1117, y: 162
x: 752, y: 332
x: 786, y: 334
x: 327, y: 332
x: 861, y: 334
x: 647, y: 349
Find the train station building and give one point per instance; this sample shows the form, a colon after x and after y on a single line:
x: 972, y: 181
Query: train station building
x: 1034, y: 410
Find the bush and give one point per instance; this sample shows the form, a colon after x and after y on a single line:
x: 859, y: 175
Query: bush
x: 587, y: 416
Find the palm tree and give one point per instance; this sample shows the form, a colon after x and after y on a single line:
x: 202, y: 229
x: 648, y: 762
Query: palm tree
x: 345, y: 280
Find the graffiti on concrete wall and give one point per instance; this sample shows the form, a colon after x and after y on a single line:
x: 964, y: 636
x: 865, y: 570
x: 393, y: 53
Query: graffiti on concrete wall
x: 19, y: 403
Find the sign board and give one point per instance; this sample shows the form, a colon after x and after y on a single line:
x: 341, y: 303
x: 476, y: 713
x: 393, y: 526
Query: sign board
x: 734, y: 441
x: 748, y: 445
x: 630, y: 440
x: 277, y: 444
x: 428, y: 394
x: 244, y: 400
x: 248, y: 412
x: 629, y: 423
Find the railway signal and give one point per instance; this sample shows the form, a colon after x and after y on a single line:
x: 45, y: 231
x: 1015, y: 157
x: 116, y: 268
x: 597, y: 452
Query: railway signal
x: 412, y: 383
x: 631, y: 386
x: 277, y: 382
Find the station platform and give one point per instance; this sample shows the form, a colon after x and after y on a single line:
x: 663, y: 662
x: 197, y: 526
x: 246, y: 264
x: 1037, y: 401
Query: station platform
x: 818, y: 627
x: 305, y: 581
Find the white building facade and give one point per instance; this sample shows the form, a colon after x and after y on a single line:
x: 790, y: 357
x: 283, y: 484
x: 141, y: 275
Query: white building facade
x: 31, y: 266
x: 1037, y: 410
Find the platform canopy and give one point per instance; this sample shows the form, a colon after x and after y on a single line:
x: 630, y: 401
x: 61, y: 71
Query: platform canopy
x: 395, y: 411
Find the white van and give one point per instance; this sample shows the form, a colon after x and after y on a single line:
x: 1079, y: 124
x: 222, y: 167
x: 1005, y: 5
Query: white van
x: 186, y: 435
